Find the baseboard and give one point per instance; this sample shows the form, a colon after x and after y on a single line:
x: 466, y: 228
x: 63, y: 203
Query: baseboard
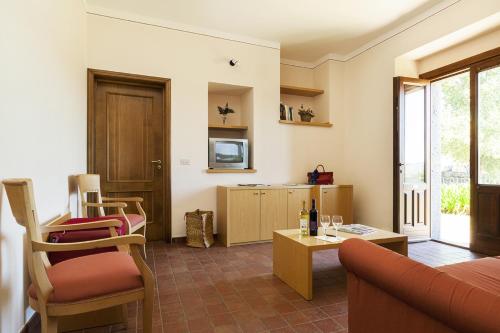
x: 182, y: 239
x: 32, y: 325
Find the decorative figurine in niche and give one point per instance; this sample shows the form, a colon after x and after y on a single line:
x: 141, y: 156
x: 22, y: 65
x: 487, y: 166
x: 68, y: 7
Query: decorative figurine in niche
x: 282, y: 111
x: 224, y: 112
x: 306, y: 115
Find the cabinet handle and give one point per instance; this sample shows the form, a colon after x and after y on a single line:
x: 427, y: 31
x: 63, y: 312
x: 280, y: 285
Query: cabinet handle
x: 262, y: 193
x: 255, y: 193
x: 325, y: 192
x: 290, y: 192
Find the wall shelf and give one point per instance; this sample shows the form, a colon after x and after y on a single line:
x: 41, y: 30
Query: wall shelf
x: 303, y: 123
x: 228, y: 127
x: 231, y: 170
x: 300, y: 91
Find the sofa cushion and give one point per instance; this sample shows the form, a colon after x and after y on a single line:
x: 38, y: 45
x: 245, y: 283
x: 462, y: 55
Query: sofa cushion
x: 481, y: 273
x: 92, y: 276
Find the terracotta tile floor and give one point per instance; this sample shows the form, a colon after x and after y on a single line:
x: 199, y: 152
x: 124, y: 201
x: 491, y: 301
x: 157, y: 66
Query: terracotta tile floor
x: 233, y: 290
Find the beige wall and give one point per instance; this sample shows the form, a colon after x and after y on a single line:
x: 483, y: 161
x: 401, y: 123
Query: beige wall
x: 327, y: 143
x: 368, y: 103
x: 297, y: 76
x: 42, y: 124
x: 281, y: 153
x: 461, y: 51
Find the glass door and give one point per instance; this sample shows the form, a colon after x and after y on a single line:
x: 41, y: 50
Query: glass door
x: 450, y: 159
x: 485, y: 103
x: 411, y: 175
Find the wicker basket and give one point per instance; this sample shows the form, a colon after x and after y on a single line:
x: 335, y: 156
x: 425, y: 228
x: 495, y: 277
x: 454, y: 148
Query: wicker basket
x: 199, y: 228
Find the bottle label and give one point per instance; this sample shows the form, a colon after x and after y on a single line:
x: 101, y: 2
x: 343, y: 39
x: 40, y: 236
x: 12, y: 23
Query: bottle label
x: 303, y: 226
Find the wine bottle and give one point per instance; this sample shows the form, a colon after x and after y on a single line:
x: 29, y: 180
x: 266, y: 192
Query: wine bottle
x: 313, y: 220
x: 304, y: 220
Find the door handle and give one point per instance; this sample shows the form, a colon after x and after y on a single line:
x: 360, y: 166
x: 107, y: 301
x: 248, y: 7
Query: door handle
x: 158, y: 164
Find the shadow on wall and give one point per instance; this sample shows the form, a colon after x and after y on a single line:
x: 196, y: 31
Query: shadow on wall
x: 73, y: 205
x: 4, y: 291
x: 6, y: 244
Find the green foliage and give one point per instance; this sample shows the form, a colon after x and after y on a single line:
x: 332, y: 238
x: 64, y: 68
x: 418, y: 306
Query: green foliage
x: 452, y: 98
x: 489, y: 126
x: 455, y: 118
x: 455, y: 199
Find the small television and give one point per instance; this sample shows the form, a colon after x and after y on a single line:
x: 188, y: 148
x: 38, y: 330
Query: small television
x: 226, y: 153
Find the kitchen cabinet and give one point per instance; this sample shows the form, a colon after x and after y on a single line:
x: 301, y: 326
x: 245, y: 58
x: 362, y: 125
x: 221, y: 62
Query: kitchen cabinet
x: 247, y: 214
x: 244, y: 212
x: 335, y: 200
x: 273, y: 212
x: 296, y: 196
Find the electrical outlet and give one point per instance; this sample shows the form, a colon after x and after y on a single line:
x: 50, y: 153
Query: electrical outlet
x: 185, y: 161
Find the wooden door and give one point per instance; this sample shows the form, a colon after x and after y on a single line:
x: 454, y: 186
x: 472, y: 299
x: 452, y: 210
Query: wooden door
x: 294, y: 205
x: 128, y: 144
x: 485, y: 157
x: 244, y: 216
x: 273, y: 212
x: 338, y: 201
x: 412, y: 157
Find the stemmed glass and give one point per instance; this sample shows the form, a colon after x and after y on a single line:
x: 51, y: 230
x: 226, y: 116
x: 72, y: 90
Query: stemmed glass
x: 325, y: 223
x: 337, y: 223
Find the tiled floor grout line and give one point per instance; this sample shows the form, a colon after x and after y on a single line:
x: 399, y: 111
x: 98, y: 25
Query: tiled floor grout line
x: 157, y: 290
x: 225, y: 289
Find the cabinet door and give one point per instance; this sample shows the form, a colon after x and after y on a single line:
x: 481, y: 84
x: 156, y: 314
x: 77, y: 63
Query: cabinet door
x: 338, y: 201
x: 295, y: 199
x: 273, y: 211
x: 244, y: 216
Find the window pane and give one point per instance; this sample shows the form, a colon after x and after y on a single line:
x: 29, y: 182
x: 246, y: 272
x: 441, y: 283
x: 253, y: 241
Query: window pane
x: 489, y: 126
x: 414, y: 137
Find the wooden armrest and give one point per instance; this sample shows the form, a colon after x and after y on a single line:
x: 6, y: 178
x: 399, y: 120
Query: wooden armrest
x: 110, y: 204
x: 87, y: 245
x: 60, y: 218
x: 125, y: 199
x: 81, y: 226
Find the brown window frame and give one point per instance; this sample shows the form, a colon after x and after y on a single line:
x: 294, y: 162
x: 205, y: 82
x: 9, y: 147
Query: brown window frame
x: 480, y: 241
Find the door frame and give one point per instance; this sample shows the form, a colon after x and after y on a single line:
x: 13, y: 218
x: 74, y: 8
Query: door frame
x: 93, y: 75
x: 398, y: 83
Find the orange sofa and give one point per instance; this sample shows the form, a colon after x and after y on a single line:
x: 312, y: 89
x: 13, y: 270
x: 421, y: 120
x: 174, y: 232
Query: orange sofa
x: 391, y: 293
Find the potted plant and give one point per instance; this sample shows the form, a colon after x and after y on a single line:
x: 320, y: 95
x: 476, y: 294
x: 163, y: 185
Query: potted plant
x: 224, y: 112
x: 306, y: 115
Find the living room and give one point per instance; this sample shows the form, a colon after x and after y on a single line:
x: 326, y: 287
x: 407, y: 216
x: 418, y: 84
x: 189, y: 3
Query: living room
x: 338, y: 58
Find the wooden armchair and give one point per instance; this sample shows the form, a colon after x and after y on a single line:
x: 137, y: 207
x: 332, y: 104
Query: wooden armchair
x: 82, y: 284
x: 90, y: 183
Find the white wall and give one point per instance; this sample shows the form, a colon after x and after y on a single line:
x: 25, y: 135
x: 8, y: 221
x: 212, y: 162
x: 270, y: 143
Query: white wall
x: 281, y: 153
x: 368, y: 103
x: 42, y: 124
x: 469, y: 48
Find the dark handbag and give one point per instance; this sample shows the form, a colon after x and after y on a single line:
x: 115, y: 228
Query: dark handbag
x: 320, y: 178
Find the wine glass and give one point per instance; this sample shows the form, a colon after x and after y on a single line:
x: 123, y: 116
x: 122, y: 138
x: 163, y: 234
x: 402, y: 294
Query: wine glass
x: 325, y: 223
x: 337, y: 223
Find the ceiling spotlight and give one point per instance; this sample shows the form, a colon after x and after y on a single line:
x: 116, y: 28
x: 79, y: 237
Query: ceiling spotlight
x: 233, y: 62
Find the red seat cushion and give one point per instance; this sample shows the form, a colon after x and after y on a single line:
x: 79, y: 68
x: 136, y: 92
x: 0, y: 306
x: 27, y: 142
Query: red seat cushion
x: 122, y: 230
x: 92, y: 276
x: 134, y: 219
x: 81, y: 236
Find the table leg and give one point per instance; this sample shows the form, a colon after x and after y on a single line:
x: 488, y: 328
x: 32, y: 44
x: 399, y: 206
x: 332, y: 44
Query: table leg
x: 292, y: 263
x: 399, y: 247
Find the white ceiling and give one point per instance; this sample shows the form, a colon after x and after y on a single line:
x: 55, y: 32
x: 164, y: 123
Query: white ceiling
x: 306, y: 29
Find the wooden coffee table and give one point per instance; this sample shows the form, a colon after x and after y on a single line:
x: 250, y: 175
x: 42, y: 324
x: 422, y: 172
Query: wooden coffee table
x: 292, y: 254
